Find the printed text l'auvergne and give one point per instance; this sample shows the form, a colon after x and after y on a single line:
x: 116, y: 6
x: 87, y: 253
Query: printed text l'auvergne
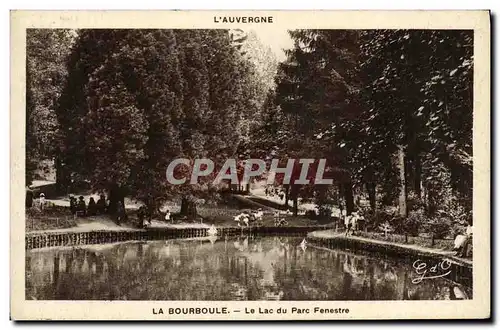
x: 243, y: 19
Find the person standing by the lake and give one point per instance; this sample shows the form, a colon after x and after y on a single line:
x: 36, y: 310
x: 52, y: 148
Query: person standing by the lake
x: 42, y: 201
x: 120, y: 212
x: 168, y: 216
x: 81, y: 208
x: 92, y: 208
x: 347, y: 224
x: 72, y: 204
x: 463, y: 250
x: 101, y: 204
x: 343, y: 214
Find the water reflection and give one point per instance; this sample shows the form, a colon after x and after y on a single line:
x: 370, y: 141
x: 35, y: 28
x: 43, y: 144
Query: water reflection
x: 246, y: 268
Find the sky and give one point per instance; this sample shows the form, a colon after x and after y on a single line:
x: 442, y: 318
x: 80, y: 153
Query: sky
x: 277, y: 40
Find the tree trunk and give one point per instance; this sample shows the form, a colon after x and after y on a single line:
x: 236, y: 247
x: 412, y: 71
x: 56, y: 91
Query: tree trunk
x: 293, y: 193
x: 340, y: 196
x: 29, y: 198
x: 287, y: 195
x: 402, y: 182
x: 431, y: 204
x: 418, y: 177
x: 371, y: 187
x: 152, y: 207
x: 62, y: 181
x: 349, y: 197
x: 116, y: 194
x: 188, y: 208
x: 295, y: 205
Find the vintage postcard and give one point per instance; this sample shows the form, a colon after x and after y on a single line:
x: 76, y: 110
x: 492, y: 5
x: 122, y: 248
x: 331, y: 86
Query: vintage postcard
x: 250, y: 165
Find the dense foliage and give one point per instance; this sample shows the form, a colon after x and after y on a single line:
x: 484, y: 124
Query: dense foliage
x: 46, y: 51
x: 390, y: 109
x: 134, y: 100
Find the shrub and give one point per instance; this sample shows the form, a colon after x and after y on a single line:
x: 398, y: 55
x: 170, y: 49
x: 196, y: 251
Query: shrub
x: 415, y: 203
x: 376, y: 219
x: 413, y: 223
x: 324, y: 212
x: 398, y: 223
x: 311, y: 214
x: 439, y: 226
x: 410, y: 225
x: 386, y: 228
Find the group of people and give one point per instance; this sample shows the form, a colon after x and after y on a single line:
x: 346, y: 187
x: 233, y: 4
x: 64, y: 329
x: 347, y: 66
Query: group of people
x: 351, y: 221
x: 31, y: 200
x: 461, y: 244
x: 145, y: 214
x: 79, y: 207
x: 246, y: 218
x: 280, y: 218
x: 272, y: 191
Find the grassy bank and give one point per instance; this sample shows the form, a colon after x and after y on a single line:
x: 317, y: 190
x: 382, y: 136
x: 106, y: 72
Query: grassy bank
x: 55, y: 217
x: 59, y: 217
x: 444, y: 244
x: 269, y: 203
x: 332, y: 239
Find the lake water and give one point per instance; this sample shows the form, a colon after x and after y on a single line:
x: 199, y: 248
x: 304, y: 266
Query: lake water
x: 259, y: 268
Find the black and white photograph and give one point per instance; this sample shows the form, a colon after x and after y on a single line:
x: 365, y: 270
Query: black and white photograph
x: 253, y: 162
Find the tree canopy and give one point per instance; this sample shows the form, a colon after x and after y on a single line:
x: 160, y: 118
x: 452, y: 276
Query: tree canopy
x: 134, y: 100
x: 389, y: 110
x: 357, y: 97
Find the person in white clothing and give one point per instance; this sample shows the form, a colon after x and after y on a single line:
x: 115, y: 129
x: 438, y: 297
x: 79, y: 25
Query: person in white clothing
x: 42, y: 201
x: 348, y: 224
x: 462, y: 242
x: 468, y: 240
x: 351, y: 222
x: 168, y: 216
x: 354, y: 221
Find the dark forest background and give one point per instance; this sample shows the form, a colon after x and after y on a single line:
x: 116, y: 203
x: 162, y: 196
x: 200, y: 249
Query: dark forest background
x: 390, y: 110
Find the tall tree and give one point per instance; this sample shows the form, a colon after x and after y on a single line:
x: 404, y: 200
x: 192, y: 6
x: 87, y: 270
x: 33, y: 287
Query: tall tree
x: 420, y: 73
x: 176, y: 93
x: 89, y: 51
x: 318, y: 90
x: 46, y: 52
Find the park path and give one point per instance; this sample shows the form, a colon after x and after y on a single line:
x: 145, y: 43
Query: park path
x: 98, y: 223
x: 260, y: 193
x: 417, y: 248
x: 87, y: 224
x: 102, y: 223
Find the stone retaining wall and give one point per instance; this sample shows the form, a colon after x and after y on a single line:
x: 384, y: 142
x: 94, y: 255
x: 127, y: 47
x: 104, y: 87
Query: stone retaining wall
x: 49, y: 239
x: 461, y: 271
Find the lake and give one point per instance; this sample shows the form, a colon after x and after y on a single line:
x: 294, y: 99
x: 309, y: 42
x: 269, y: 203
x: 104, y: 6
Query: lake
x: 238, y: 268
